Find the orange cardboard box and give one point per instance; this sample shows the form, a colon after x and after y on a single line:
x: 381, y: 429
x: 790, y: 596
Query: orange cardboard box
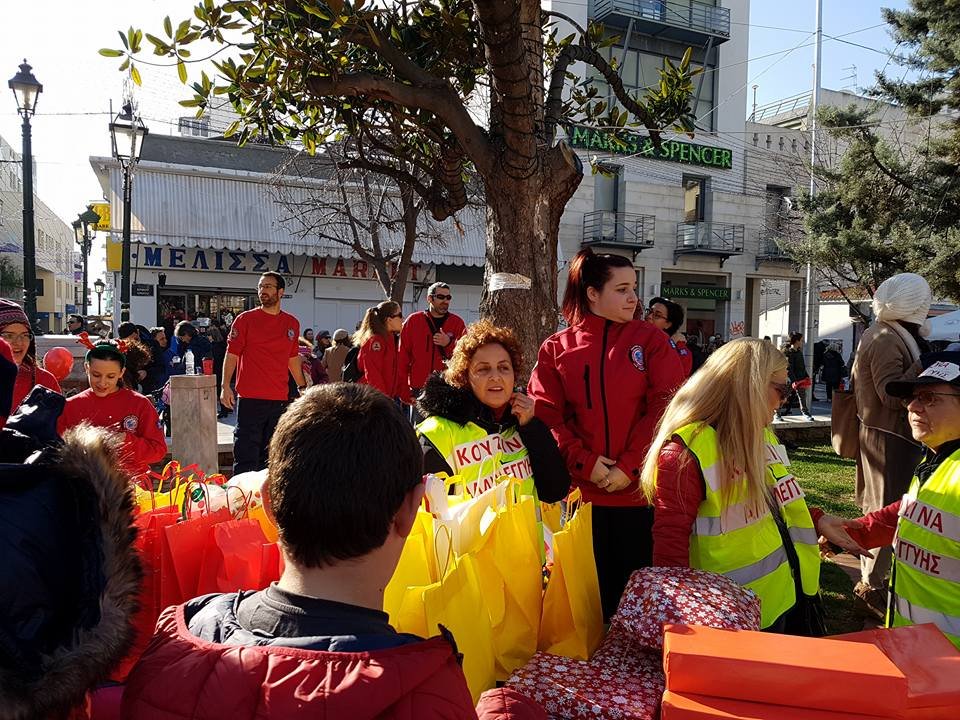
x: 930, y: 663
x: 683, y: 706
x: 759, y: 667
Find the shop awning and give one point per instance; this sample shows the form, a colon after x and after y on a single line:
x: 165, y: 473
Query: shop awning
x: 235, y: 210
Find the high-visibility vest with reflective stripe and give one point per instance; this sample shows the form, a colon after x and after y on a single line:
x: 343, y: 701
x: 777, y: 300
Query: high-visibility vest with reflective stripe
x: 926, y: 571
x: 731, y: 539
x: 479, y: 457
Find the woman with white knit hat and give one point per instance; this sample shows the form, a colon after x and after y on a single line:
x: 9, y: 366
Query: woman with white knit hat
x: 889, y: 350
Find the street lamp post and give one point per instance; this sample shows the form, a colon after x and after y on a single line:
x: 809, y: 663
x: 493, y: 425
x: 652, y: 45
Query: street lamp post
x: 98, y: 286
x: 87, y: 220
x: 126, y: 134
x: 26, y: 90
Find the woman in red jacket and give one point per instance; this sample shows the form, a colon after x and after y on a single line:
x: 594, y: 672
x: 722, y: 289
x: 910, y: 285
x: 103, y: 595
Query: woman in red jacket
x: 377, y: 340
x: 15, y: 329
x: 107, y: 403
x: 601, y: 385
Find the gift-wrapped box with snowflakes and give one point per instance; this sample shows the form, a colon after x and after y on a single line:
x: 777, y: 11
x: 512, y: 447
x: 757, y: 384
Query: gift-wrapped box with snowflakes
x: 682, y: 596
x: 623, y: 686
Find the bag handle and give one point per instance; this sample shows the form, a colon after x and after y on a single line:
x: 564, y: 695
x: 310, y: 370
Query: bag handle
x: 449, y: 555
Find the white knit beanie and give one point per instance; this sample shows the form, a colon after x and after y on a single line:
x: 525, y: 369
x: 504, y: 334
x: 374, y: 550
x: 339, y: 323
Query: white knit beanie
x: 903, y: 297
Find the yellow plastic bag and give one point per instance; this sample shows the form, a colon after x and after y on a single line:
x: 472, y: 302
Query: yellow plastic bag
x: 509, y: 570
x: 416, y: 569
x: 572, y: 621
x: 457, y: 603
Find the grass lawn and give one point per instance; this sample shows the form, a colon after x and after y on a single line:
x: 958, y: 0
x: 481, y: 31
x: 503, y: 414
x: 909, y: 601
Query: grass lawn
x: 829, y: 482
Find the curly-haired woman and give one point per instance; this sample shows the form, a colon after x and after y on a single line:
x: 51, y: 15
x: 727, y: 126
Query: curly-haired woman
x: 479, y: 428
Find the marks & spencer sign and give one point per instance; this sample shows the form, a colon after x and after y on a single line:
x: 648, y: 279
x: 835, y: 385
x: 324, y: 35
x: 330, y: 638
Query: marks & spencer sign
x: 704, y: 293
x: 642, y: 146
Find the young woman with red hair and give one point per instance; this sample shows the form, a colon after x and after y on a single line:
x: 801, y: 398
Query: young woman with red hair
x: 601, y: 385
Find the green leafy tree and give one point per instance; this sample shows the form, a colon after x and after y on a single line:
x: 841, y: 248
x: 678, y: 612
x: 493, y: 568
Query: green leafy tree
x: 451, y: 87
x: 892, y: 204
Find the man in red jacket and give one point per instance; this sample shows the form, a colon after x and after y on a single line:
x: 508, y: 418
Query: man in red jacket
x: 317, y: 642
x: 428, y: 338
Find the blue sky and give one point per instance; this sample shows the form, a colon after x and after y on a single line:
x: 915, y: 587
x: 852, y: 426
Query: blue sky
x: 782, y: 75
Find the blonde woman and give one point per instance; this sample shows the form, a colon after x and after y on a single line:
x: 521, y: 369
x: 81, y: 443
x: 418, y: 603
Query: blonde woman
x: 724, y: 500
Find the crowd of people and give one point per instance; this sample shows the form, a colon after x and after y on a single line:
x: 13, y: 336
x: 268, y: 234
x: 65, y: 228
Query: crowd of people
x: 679, y: 462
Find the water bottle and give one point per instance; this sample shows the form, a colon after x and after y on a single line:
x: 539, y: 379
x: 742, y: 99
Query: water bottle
x: 188, y: 362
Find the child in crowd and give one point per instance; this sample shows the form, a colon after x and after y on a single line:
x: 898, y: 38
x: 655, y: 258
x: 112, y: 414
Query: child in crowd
x: 107, y: 403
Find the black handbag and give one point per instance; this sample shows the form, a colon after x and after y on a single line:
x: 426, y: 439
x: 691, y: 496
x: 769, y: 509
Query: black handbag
x: 807, y: 617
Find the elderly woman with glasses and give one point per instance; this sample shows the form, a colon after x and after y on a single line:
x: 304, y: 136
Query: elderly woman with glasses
x: 15, y: 329
x: 377, y: 340
x: 723, y: 497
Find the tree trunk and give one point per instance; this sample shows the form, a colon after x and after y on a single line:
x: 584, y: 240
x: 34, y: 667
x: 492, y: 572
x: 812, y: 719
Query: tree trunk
x: 411, y: 213
x: 523, y: 223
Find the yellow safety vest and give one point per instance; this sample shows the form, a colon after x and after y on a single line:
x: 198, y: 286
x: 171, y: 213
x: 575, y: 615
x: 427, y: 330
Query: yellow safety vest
x: 479, y: 457
x: 730, y: 539
x: 926, y: 569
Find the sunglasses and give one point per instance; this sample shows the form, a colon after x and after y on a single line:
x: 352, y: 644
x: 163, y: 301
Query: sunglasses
x: 443, y: 297
x: 783, y: 389
x: 396, y: 315
x: 926, y: 398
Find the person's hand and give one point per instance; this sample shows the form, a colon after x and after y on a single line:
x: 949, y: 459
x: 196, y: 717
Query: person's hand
x: 601, y: 468
x: 616, y: 480
x: 833, y: 530
x: 226, y: 397
x: 441, y: 339
x: 522, y: 408
x: 679, y: 337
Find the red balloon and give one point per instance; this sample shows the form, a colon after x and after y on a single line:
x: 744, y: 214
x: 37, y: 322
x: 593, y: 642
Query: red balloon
x: 58, y: 362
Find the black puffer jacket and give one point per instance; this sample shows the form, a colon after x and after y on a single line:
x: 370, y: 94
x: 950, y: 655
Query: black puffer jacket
x: 550, y: 474
x: 70, y: 575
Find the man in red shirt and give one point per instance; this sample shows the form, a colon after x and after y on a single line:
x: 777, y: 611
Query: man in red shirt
x: 428, y: 338
x: 262, y: 349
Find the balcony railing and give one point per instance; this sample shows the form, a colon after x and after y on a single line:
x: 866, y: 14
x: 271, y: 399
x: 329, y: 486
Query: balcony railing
x: 772, y: 247
x: 607, y: 228
x: 683, y: 20
x: 709, y: 238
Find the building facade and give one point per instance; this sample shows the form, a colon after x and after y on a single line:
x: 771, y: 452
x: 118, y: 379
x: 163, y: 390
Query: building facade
x: 695, y: 214
x: 57, y: 284
x: 208, y: 218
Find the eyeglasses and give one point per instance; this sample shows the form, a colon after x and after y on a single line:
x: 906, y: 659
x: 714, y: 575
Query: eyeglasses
x: 443, y: 297
x: 656, y: 314
x: 396, y: 315
x: 16, y: 337
x: 783, y: 389
x: 267, y: 287
x: 926, y: 398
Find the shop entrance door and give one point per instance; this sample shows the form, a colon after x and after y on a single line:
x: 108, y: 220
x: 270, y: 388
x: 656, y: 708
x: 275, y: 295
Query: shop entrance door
x: 174, y: 305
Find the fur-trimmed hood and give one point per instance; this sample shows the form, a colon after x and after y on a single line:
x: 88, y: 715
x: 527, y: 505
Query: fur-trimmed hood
x: 70, y: 577
x: 458, y: 404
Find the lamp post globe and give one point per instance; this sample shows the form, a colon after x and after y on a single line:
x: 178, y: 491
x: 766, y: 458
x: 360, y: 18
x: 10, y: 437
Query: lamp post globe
x: 26, y: 91
x: 98, y: 287
x: 127, y: 132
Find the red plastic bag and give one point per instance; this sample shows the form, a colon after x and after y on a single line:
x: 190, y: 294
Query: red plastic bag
x: 185, y: 543
x: 271, y: 564
x: 659, y: 595
x: 232, y: 558
x: 802, y: 384
x: 148, y: 546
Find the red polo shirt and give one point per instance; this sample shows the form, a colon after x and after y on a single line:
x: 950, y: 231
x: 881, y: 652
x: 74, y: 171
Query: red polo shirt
x: 264, y: 343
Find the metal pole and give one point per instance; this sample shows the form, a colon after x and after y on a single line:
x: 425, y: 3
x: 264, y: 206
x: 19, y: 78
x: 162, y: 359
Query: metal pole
x: 86, y: 258
x: 29, y: 239
x: 810, y: 326
x: 125, y: 261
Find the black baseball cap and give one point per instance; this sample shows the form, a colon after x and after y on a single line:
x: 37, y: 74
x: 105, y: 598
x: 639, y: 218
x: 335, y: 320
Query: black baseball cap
x: 938, y: 369
x: 323, y: 334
